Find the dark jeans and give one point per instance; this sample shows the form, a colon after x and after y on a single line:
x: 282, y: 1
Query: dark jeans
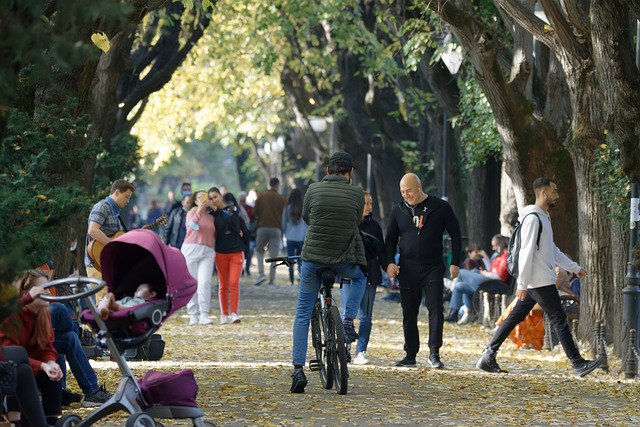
x: 26, y: 399
x: 416, y: 279
x: 549, y: 300
x: 293, y: 249
x: 67, y: 344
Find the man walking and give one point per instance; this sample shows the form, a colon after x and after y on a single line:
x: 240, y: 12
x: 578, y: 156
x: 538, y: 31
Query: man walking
x: 537, y: 260
x: 417, y: 226
x: 332, y: 209
x: 268, y: 213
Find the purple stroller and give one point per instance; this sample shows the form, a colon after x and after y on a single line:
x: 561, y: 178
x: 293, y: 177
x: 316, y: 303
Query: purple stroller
x: 138, y: 256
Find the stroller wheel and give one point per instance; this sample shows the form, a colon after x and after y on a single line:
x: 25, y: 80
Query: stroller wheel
x: 69, y: 420
x: 140, y: 419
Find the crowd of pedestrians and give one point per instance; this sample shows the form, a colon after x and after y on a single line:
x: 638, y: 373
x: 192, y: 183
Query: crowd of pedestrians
x: 330, y: 226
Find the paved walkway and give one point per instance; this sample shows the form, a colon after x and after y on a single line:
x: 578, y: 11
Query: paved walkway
x: 243, y: 376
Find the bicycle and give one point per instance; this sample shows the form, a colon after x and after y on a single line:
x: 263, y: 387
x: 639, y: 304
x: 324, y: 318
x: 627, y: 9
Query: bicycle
x: 333, y: 350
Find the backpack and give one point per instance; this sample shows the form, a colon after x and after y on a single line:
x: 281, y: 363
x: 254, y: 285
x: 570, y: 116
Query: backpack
x: 515, y: 241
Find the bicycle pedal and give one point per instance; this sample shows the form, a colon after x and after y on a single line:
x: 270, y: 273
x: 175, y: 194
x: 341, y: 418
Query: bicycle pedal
x: 314, y: 365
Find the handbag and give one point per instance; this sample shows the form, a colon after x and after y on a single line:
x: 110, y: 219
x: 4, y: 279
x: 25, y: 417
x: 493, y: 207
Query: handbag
x: 8, y: 377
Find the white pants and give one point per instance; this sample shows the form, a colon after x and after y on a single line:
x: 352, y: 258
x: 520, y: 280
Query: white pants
x: 200, y: 264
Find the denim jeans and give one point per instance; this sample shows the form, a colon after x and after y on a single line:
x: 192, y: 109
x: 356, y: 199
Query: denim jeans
x: 294, y: 248
x: 67, y: 344
x: 464, y: 286
x: 310, y: 281
x: 365, y: 315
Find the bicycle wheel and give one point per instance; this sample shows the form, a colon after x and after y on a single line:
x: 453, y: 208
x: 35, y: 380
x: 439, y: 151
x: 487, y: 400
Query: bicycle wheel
x: 338, y: 352
x: 319, y: 341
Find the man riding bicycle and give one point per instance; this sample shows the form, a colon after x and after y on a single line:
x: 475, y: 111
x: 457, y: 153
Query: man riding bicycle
x: 332, y: 209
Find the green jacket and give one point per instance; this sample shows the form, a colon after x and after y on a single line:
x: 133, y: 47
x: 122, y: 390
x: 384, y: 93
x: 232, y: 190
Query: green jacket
x: 333, y: 209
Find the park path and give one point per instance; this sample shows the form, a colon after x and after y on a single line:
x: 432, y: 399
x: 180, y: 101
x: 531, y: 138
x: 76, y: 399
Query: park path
x: 243, y: 376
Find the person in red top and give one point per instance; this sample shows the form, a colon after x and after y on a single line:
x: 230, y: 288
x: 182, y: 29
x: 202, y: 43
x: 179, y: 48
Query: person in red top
x: 31, y: 329
x: 468, y: 281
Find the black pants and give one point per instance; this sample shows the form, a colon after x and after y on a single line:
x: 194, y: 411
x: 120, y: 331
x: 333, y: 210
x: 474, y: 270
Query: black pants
x: 549, y: 300
x: 416, y: 280
x: 26, y: 399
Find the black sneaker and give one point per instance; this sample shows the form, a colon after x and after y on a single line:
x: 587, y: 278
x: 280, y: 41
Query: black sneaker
x: 585, y: 367
x: 298, y: 381
x: 434, y: 361
x: 69, y: 397
x: 407, y: 362
x: 488, y: 362
x: 452, y: 316
x: 350, y: 333
x: 97, y: 398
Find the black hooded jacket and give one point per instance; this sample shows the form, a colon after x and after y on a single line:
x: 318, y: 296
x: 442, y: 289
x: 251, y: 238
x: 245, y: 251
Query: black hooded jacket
x: 418, y: 231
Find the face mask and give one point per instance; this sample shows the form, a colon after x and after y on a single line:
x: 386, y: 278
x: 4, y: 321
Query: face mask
x: 186, y: 193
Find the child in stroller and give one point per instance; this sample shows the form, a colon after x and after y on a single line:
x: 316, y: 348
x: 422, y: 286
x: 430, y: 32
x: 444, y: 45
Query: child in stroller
x: 137, y: 257
x: 144, y: 292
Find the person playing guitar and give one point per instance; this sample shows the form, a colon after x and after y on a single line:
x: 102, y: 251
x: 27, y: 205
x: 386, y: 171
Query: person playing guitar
x: 104, y: 221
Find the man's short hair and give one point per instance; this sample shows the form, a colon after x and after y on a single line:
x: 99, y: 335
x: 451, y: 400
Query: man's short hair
x: 274, y: 182
x: 541, y: 183
x: 122, y: 185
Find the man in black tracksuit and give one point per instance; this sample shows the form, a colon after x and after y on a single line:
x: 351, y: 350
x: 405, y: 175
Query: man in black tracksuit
x: 416, y: 226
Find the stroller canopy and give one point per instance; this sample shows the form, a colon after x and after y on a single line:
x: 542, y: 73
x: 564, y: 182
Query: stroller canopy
x: 140, y: 256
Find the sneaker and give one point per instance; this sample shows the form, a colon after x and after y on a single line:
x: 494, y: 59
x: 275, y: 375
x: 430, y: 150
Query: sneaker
x: 452, y: 316
x: 434, y: 361
x: 261, y: 279
x: 271, y: 285
x: 97, y: 398
x: 204, y: 320
x: 466, y: 318
x: 298, y: 381
x: 361, y: 359
x: 350, y: 333
x: 235, y: 318
x: 224, y: 319
x: 585, y: 367
x: 488, y: 362
x: 69, y: 397
x: 193, y: 320
x: 407, y: 362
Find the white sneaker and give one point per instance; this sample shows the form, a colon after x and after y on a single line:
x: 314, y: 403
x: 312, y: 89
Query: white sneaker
x: 193, y: 320
x: 224, y: 319
x: 361, y: 359
x: 235, y: 318
x: 204, y: 320
x: 465, y: 317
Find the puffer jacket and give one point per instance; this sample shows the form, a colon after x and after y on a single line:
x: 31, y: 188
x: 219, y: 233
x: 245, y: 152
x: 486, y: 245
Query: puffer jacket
x: 333, y: 209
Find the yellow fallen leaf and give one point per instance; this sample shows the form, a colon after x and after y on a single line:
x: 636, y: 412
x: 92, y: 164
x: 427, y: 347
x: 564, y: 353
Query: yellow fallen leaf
x: 41, y: 197
x: 101, y: 40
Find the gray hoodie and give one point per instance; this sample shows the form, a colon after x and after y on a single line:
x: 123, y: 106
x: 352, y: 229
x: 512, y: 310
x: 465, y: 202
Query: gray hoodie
x: 537, y: 264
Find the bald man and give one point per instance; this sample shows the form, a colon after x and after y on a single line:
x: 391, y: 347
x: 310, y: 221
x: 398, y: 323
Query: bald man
x: 416, y: 228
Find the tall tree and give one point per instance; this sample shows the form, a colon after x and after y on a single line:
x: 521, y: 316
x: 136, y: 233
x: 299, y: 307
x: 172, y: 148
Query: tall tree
x: 536, y: 145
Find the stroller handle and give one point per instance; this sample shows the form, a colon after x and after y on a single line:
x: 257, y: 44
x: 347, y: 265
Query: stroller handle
x: 82, y: 283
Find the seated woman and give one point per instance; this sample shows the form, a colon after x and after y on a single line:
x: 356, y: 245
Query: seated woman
x: 468, y: 281
x: 144, y: 292
x: 26, y: 397
x: 31, y: 328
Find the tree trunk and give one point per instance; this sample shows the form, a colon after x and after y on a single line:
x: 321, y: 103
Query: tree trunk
x: 483, y: 199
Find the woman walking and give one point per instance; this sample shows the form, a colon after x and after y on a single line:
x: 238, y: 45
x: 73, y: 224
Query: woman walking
x: 232, y: 240
x: 294, y: 228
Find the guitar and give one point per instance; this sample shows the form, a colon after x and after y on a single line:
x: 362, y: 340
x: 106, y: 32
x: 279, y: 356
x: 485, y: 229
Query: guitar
x: 94, y: 249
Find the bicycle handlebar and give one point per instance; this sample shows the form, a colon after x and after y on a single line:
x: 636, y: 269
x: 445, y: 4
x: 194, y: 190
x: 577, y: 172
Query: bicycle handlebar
x: 284, y: 260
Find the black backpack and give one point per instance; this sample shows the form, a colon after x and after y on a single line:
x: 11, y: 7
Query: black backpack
x: 515, y: 241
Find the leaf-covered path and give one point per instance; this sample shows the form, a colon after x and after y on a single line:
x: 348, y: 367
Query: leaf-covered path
x: 243, y: 376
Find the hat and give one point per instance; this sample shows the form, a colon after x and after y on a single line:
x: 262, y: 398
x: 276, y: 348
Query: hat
x: 341, y: 159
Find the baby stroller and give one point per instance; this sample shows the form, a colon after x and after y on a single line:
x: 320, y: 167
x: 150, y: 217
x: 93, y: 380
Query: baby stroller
x: 138, y: 256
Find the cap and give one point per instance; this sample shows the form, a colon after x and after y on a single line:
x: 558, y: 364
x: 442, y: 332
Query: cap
x: 341, y: 159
